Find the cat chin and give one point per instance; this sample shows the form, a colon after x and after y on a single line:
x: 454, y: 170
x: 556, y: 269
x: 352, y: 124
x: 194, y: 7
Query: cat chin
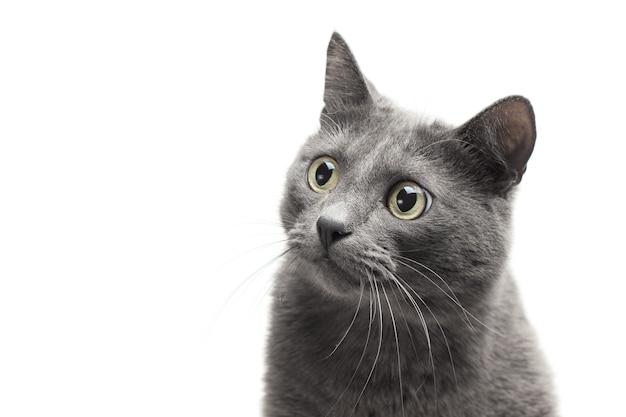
x: 337, y: 289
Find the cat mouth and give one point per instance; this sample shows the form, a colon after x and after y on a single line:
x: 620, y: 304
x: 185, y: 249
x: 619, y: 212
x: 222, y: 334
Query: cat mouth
x: 358, y: 268
x: 347, y: 260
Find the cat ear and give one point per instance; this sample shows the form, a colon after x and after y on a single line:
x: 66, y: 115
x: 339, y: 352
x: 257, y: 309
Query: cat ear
x: 506, y: 130
x: 345, y: 85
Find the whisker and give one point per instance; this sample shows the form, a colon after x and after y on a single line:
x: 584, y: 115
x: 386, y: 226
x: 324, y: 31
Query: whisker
x: 395, y: 333
x: 399, y: 283
x: 443, y: 334
x: 453, y: 299
x: 396, y: 279
x: 406, y: 324
x: 248, y: 252
x: 281, y: 296
x: 380, y: 341
x: 246, y: 282
x: 372, y: 313
x: 356, y: 313
x: 271, y: 281
x: 234, y: 219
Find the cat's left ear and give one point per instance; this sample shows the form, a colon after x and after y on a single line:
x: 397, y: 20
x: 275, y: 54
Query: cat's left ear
x: 345, y: 87
x: 506, y: 130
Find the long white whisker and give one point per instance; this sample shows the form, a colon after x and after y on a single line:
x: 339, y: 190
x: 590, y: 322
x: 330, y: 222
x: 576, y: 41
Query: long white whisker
x: 356, y: 313
x: 395, y: 279
x: 453, y: 299
x: 399, y: 283
x: 395, y: 333
x: 456, y: 299
x: 245, y: 283
x: 380, y: 341
x: 406, y: 324
x: 270, y: 284
x: 443, y: 334
x: 372, y: 313
x: 255, y: 249
x: 264, y: 292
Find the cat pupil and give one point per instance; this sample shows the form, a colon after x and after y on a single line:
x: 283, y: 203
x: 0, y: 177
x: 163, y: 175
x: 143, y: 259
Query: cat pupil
x: 324, y: 172
x: 407, y: 198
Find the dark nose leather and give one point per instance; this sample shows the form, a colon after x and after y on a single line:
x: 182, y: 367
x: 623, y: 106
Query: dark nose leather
x: 330, y: 230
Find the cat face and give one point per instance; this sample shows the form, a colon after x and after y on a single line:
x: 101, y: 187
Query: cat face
x: 378, y: 197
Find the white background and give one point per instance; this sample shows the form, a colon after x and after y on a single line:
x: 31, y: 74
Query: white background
x: 143, y: 147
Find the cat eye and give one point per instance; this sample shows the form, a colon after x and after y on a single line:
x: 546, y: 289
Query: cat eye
x: 407, y: 200
x: 323, y: 174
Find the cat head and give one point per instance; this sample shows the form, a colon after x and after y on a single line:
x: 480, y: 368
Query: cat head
x: 376, y: 196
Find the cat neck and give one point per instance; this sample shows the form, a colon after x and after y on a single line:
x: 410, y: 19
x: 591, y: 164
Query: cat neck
x: 377, y: 324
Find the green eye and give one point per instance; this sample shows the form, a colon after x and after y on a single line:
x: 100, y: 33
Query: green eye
x: 407, y: 200
x: 323, y: 174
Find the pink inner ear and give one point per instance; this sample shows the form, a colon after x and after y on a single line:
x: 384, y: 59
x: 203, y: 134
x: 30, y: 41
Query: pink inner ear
x: 517, y: 135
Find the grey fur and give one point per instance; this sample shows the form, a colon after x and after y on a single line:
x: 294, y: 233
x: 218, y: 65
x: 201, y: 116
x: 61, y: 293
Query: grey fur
x: 346, y: 338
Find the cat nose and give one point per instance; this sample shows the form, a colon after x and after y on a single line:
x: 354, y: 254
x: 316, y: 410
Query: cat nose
x: 330, y: 230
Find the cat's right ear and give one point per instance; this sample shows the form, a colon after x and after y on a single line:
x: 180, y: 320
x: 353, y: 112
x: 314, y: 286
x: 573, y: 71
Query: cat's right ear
x: 345, y: 86
x: 505, y: 134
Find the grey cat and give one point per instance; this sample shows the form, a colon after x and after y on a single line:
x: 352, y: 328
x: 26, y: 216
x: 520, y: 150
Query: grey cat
x: 395, y: 299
